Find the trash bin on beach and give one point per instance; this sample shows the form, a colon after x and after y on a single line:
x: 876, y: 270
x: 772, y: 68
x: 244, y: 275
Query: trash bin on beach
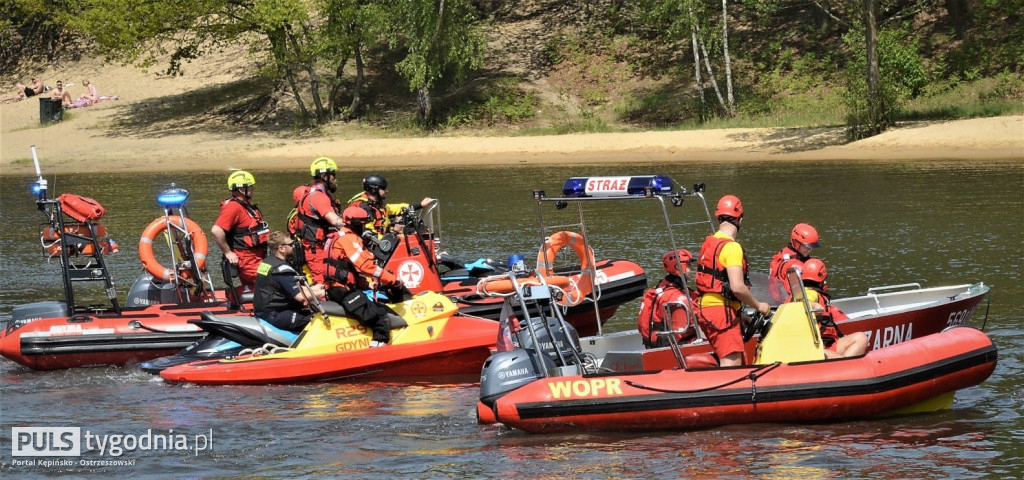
x: 50, y: 110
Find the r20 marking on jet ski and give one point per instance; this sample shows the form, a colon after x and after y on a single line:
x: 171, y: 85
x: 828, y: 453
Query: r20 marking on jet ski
x: 593, y: 387
x: 350, y: 331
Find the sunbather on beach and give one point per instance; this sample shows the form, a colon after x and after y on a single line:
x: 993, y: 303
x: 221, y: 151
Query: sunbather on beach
x: 93, y: 95
x: 35, y: 87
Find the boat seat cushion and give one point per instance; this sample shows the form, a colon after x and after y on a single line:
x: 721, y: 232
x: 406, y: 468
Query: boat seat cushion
x: 332, y: 308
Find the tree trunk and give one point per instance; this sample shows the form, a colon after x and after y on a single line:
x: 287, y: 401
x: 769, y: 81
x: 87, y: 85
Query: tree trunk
x: 357, y: 90
x: 874, y: 77
x: 959, y: 15
x: 425, y: 108
x: 697, y: 76
x: 731, y: 109
x: 707, y: 68
x: 278, y: 47
x: 314, y: 78
x: 334, y: 98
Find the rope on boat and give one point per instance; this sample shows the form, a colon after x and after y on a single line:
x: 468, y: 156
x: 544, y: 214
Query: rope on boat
x: 753, y: 375
x: 138, y: 324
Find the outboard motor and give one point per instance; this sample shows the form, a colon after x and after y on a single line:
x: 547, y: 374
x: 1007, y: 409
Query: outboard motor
x: 507, y: 371
x: 23, y: 314
x: 147, y: 290
x: 556, y: 334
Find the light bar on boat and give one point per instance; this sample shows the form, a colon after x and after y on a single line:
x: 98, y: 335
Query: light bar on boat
x: 173, y: 197
x: 39, y: 188
x: 642, y: 185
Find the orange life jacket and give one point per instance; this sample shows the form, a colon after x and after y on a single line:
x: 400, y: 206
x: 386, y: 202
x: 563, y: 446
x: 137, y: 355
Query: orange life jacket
x: 711, y: 276
x: 652, y: 319
x: 306, y: 223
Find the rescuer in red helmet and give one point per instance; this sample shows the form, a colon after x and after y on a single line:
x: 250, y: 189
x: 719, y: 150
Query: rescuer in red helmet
x: 802, y: 239
x: 348, y: 265
x: 722, y: 282
x: 814, y: 276
x: 669, y: 300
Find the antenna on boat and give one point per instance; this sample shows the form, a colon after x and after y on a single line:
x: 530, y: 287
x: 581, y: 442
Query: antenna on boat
x: 39, y: 188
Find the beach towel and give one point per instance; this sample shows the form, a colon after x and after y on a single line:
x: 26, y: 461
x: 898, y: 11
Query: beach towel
x: 81, y: 103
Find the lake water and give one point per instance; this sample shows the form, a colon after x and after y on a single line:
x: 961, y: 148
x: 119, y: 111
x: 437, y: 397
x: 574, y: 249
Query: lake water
x: 934, y: 223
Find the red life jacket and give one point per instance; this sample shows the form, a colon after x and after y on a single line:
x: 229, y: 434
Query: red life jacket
x: 711, y: 276
x: 777, y: 267
x: 651, y: 320
x: 251, y: 237
x: 306, y: 223
x: 830, y: 332
x: 374, y: 209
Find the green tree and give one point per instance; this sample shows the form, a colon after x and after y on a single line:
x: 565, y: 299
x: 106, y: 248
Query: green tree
x: 142, y: 32
x: 441, y: 40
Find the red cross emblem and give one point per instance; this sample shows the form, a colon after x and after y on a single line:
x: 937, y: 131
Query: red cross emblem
x: 411, y: 273
x: 418, y: 309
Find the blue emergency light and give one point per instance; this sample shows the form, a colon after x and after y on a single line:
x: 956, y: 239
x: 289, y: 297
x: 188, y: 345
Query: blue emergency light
x: 173, y: 197
x: 39, y: 187
x: 641, y: 185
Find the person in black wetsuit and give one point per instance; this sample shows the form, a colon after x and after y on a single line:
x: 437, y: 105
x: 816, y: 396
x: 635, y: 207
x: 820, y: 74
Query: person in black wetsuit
x: 278, y: 299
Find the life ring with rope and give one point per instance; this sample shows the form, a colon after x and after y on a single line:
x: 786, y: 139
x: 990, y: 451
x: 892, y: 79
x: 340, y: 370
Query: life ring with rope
x: 200, y: 246
x: 501, y: 284
x: 583, y: 283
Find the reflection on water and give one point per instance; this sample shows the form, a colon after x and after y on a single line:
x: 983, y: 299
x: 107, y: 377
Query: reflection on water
x: 934, y: 223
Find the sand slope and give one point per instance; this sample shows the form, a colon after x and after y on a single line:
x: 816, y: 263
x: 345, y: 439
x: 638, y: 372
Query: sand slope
x: 97, y: 138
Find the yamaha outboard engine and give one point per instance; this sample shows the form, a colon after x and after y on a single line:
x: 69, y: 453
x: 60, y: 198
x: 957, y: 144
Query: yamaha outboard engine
x: 147, y: 290
x: 507, y: 371
x: 565, y: 339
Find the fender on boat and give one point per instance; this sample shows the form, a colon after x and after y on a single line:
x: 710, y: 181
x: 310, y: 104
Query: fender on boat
x: 546, y: 258
x: 81, y: 208
x: 149, y: 234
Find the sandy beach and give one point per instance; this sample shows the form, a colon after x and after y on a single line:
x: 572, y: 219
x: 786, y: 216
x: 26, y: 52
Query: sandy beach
x: 99, y: 139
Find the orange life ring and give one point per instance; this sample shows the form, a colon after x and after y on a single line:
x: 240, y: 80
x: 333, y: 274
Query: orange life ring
x: 584, y: 283
x: 81, y: 208
x: 49, y: 234
x: 199, y: 246
x: 503, y: 284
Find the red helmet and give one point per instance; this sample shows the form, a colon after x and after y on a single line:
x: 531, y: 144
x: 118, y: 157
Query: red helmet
x: 814, y: 271
x: 729, y: 206
x: 804, y: 234
x: 355, y: 215
x: 675, y: 261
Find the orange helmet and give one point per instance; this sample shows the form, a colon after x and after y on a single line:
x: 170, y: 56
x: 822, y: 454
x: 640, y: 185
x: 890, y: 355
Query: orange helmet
x: 675, y: 261
x: 814, y: 271
x: 804, y: 234
x: 355, y: 215
x: 729, y: 206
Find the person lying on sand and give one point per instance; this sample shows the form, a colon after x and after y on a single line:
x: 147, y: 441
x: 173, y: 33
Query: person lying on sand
x: 35, y: 87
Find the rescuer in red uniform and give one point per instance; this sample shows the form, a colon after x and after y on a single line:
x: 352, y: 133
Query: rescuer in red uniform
x: 722, y: 282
